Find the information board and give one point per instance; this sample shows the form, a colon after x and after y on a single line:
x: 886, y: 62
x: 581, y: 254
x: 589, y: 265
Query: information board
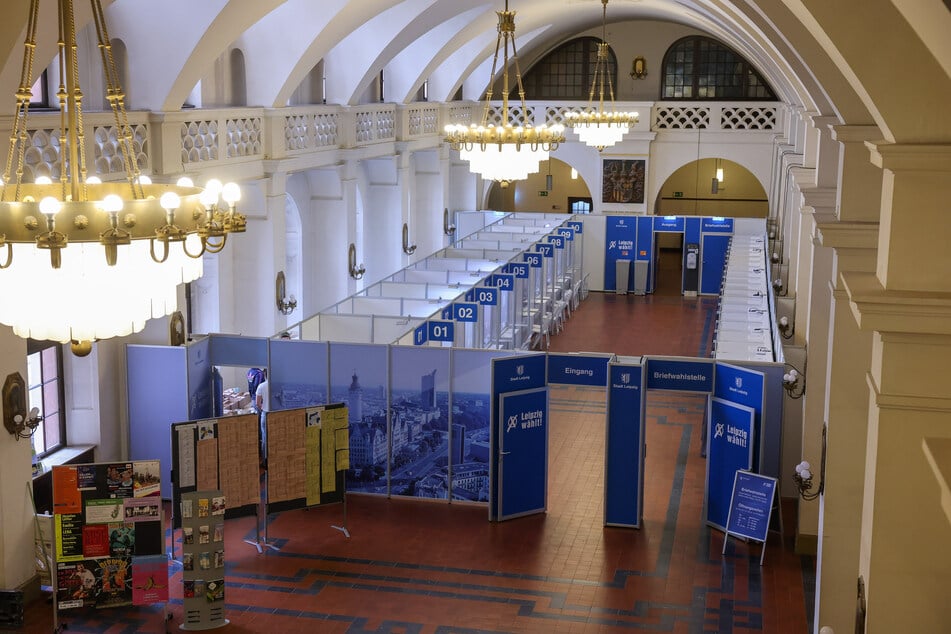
x: 751, y: 507
x: 729, y: 449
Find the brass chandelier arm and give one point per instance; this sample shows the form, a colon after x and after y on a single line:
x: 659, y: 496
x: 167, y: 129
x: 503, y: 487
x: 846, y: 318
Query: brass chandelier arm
x: 116, y: 98
x: 18, y: 133
x: 9, y: 259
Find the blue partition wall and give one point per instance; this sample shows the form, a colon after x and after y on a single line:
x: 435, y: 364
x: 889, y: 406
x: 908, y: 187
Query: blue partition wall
x: 158, y: 397
x: 421, y: 438
x: 198, y: 371
x: 358, y: 377
x: 471, y: 416
x: 297, y: 374
x: 624, y: 446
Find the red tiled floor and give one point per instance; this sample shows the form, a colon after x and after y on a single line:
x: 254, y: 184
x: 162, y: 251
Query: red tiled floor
x: 429, y: 567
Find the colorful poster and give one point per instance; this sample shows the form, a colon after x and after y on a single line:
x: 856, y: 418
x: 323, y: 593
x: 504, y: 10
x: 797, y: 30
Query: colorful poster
x: 146, y: 478
x: 149, y: 580
x: 66, y: 495
x: 119, y: 480
x: 115, y: 581
x: 69, y: 537
x: 86, y: 477
x: 77, y: 584
x: 121, y: 540
x: 95, y: 540
x: 142, y: 509
x: 104, y: 511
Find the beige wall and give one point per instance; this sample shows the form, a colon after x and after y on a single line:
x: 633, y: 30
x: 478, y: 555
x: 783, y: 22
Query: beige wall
x: 739, y: 196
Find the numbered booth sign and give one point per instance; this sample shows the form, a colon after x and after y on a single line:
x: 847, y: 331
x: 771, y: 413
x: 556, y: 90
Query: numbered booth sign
x: 465, y: 311
x: 567, y: 233
x: 486, y: 296
x: 547, y: 250
x: 420, y: 335
x: 440, y: 331
x: 504, y: 282
x: 518, y: 269
x: 534, y: 260
x: 577, y: 226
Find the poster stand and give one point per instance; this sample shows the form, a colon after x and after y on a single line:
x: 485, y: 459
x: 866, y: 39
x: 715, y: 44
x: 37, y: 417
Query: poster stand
x: 308, y: 453
x: 261, y: 509
x: 751, y: 507
x: 108, y: 538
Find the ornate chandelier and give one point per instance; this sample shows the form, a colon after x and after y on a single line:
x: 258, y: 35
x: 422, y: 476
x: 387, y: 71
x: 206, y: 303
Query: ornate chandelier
x: 81, y: 259
x: 505, y: 152
x: 598, y: 128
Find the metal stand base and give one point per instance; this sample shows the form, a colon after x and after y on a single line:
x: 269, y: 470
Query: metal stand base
x: 342, y: 529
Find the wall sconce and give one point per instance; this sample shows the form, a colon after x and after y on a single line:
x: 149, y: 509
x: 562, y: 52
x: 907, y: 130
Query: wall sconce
x: 794, y: 382
x: 17, y: 420
x: 785, y: 328
x: 356, y: 272
x: 285, y: 304
x: 639, y: 68
x: 447, y: 228
x: 803, y: 475
x: 408, y: 249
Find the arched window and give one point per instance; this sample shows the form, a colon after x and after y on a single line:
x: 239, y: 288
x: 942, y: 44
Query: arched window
x: 565, y: 73
x: 698, y: 67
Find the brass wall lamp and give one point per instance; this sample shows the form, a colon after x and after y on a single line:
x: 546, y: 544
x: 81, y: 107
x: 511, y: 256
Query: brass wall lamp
x: 16, y: 419
x: 408, y: 249
x: 639, y: 68
x: 285, y: 304
x: 447, y: 228
x: 356, y: 271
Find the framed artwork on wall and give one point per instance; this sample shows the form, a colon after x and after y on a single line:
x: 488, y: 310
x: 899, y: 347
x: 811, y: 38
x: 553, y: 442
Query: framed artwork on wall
x: 622, y: 180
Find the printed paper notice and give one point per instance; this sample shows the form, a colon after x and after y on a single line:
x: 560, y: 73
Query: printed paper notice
x: 208, y: 464
x: 343, y: 449
x: 312, y: 447
x: 66, y: 495
x: 328, y: 458
x: 186, y: 455
x: 69, y: 533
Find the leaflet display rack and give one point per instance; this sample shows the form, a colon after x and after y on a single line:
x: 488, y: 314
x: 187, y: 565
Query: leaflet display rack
x: 108, y: 536
x: 203, y: 559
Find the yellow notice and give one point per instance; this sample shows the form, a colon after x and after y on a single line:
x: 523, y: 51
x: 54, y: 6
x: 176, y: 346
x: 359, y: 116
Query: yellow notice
x: 343, y: 448
x: 328, y: 475
x: 312, y: 463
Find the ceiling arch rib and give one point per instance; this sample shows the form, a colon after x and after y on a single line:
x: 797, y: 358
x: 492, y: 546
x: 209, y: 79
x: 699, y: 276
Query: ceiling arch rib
x: 13, y: 34
x: 163, y: 81
x: 344, y: 22
x: 406, y: 72
x: 275, y: 44
x: 386, y: 33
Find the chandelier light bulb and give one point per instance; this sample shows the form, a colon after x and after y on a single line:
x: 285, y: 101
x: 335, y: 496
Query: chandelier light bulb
x: 144, y: 179
x: 50, y: 206
x: 43, y: 180
x: 208, y: 198
x: 184, y: 181
x: 93, y: 180
x: 112, y: 203
x: 170, y: 201
x: 214, y: 185
x: 231, y: 193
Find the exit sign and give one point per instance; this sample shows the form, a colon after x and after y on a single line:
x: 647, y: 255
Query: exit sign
x: 678, y: 194
x: 543, y: 193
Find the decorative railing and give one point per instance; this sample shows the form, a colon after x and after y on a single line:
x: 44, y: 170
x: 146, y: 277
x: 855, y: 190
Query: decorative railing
x: 188, y: 140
